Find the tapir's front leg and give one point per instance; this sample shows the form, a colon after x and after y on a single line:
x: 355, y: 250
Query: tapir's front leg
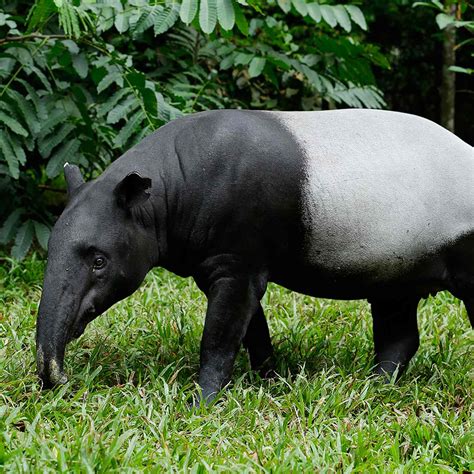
x: 233, y: 298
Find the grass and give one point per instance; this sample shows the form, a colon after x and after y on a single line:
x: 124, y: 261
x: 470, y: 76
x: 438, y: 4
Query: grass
x: 125, y: 406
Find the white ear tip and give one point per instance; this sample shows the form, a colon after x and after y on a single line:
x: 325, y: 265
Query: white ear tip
x: 66, y: 164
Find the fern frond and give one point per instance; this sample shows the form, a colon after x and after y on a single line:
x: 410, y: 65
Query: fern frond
x: 108, y: 105
x: 39, y: 14
x: 132, y: 126
x: 13, y: 124
x: 63, y: 154
x: 41, y: 111
x: 56, y: 117
x: 147, y: 19
x: 26, y: 110
x: 166, y: 18
x: 17, y: 149
x: 9, y: 155
x: 121, y: 110
x: 48, y: 143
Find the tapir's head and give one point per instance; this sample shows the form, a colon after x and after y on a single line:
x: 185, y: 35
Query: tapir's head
x: 99, y: 251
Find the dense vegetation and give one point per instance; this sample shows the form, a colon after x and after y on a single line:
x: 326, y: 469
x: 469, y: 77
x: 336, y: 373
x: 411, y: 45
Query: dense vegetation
x: 125, y: 407
x: 84, y: 81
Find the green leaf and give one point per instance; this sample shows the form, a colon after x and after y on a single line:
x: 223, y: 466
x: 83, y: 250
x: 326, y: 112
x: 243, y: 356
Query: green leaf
x: 71, y: 46
x: 342, y: 17
x: 149, y: 101
x: 228, y: 61
x: 300, y: 6
x: 146, y: 19
x: 357, y: 16
x: 434, y: 4
x: 285, y: 5
x: 39, y: 13
x: 188, y: 11
x: 80, y: 64
x: 13, y: 124
x: 17, y: 148
x: 242, y: 59
x: 10, y: 225
x: 33, y: 96
x: 69, y: 18
x: 256, y: 67
x: 121, y: 22
x: 9, y: 155
x: 444, y: 20
x: 461, y: 69
x: 314, y: 11
x: 23, y: 240
x: 132, y: 126
x: 109, y: 79
x: 121, y: 110
x: 328, y: 15
x: 47, y: 144
x: 65, y: 153
x: 55, y: 117
x: 225, y: 14
x: 240, y: 20
x: 112, y: 101
x: 26, y: 110
x: 42, y: 234
x: 166, y: 18
x: 313, y: 77
x: 208, y: 15
x: 136, y: 79
x: 44, y: 80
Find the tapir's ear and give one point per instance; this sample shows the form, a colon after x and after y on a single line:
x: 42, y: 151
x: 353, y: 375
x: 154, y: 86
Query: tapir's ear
x: 73, y: 177
x: 132, y: 191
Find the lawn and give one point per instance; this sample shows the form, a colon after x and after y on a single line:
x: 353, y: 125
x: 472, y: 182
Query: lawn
x: 125, y: 406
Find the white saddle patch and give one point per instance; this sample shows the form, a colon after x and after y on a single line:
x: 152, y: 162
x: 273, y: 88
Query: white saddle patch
x: 380, y: 187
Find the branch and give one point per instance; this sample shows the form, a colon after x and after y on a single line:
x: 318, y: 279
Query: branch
x: 10, y: 39
x: 51, y: 188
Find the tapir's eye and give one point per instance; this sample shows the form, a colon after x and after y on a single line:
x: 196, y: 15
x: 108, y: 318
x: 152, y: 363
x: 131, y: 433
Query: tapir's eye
x: 99, y: 263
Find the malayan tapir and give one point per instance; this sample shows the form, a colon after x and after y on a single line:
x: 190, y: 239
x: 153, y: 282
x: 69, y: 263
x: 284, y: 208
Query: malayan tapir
x: 344, y: 204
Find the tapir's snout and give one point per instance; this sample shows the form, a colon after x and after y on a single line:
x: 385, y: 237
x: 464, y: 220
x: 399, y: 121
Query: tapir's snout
x: 56, y: 316
x: 50, y: 370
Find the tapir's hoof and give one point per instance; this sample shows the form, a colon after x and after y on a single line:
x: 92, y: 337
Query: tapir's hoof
x: 200, y: 400
x: 388, y: 371
x: 268, y: 369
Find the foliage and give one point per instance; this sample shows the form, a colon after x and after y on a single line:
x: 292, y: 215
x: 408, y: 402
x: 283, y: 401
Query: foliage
x: 84, y: 81
x: 125, y: 406
x: 445, y: 19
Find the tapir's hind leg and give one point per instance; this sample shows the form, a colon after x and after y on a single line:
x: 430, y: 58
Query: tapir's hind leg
x: 258, y: 343
x: 396, y: 336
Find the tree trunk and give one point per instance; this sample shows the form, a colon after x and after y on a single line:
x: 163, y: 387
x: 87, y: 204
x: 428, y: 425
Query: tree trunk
x: 448, y: 85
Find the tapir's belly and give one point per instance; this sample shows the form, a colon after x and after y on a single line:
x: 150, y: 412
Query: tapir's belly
x: 382, y: 199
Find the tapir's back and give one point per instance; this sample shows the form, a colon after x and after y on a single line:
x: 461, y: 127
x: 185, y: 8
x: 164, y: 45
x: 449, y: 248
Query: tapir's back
x: 381, y: 189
